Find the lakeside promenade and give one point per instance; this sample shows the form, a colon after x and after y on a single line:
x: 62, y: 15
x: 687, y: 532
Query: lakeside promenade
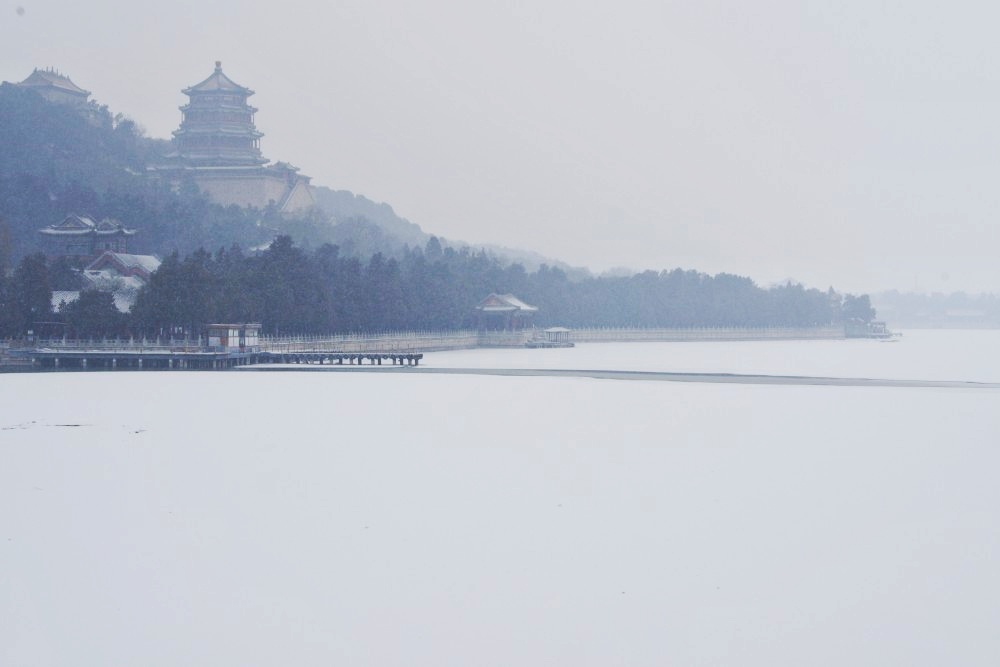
x: 397, y: 348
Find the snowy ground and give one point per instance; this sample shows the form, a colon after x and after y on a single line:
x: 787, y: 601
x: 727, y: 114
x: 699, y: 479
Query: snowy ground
x: 328, y: 518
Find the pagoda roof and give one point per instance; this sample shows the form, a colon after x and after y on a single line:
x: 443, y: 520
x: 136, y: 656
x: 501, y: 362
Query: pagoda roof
x: 49, y: 78
x: 148, y: 263
x: 504, y: 303
x: 216, y: 83
x: 219, y: 128
x: 78, y: 225
x: 220, y: 105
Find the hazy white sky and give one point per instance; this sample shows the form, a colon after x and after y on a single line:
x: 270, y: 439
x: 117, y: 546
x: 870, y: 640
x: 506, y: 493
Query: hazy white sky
x: 847, y: 143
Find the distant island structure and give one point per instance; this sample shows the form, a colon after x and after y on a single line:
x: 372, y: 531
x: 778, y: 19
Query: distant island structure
x: 217, y: 146
x: 55, y: 87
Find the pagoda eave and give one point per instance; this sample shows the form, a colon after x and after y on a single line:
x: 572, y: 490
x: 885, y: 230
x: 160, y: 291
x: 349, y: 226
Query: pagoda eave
x: 216, y: 131
x: 225, y: 107
x: 194, y: 92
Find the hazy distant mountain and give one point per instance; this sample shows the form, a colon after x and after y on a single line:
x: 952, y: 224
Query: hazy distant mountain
x: 342, y: 205
x: 348, y: 210
x: 957, y: 310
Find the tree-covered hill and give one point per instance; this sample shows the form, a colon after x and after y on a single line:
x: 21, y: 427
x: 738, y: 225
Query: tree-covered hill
x: 57, y: 160
x: 356, y: 216
x: 368, y: 269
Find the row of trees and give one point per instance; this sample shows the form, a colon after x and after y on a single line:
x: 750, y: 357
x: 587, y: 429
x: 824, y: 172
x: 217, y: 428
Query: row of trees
x: 292, y: 290
x: 26, y: 305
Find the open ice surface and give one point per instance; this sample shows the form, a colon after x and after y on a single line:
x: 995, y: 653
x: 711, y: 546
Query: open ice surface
x: 918, y: 355
x: 321, y: 518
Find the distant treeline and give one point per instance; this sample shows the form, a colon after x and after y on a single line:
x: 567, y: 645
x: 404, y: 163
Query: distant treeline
x: 291, y: 290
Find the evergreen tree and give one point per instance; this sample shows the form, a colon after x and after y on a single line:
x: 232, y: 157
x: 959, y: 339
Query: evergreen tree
x: 31, y: 295
x: 93, y: 315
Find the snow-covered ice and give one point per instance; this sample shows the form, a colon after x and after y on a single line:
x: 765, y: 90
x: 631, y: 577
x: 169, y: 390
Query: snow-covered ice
x: 173, y: 518
x: 918, y: 355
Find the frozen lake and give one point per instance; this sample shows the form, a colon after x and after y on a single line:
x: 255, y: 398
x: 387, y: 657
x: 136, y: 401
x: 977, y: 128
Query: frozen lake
x: 918, y: 355
x: 329, y: 518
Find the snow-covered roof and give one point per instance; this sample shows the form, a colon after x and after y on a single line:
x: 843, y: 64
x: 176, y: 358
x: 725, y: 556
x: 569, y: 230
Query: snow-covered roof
x: 60, y: 297
x: 81, y: 225
x: 557, y: 330
x: 47, y: 78
x: 234, y: 325
x: 148, y: 262
x: 504, y: 303
x: 217, y: 82
x: 107, y: 281
x: 70, y: 224
x: 124, y: 263
x: 124, y: 298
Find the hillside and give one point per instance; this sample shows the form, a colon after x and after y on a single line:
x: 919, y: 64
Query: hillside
x: 349, y: 210
x: 57, y: 161
x: 384, y: 273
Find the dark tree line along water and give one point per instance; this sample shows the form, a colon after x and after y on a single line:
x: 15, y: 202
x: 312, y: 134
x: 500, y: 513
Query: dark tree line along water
x: 291, y: 290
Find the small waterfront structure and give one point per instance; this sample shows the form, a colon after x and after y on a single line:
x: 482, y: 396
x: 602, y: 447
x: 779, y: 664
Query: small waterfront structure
x: 873, y: 329
x: 217, y: 146
x: 55, y: 87
x: 80, y: 237
x: 234, y: 337
x: 551, y: 337
x: 504, y: 312
x: 557, y: 335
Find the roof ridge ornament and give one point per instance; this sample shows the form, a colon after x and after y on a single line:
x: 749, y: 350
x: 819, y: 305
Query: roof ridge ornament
x: 218, y: 65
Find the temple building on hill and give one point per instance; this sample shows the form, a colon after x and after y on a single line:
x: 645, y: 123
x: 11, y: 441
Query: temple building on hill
x: 77, y: 236
x: 217, y: 127
x: 217, y: 146
x: 99, y: 259
x: 55, y: 87
x: 119, y: 274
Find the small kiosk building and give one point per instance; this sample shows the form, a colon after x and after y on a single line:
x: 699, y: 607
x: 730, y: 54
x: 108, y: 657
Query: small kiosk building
x: 234, y: 337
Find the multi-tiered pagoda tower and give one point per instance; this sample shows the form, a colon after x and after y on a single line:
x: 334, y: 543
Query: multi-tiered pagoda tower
x: 217, y: 146
x: 217, y: 127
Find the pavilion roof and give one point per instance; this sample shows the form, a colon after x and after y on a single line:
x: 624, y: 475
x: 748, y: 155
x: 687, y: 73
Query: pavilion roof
x: 504, y: 303
x: 217, y: 82
x: 125, y: 261
x: 76, y: 225
x: 47, y: 78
